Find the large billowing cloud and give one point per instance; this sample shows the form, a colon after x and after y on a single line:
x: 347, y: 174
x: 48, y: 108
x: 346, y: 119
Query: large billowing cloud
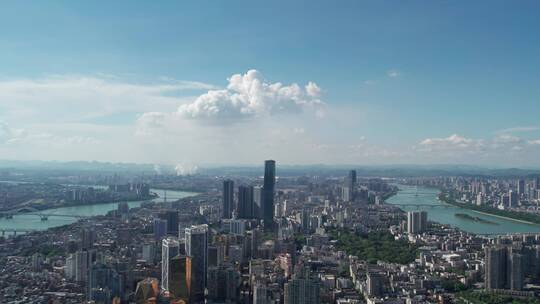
x: 250, y: 95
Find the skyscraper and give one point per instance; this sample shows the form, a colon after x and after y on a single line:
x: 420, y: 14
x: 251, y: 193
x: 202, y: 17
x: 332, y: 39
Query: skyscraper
x: 268, y: 194
x: 512, y: 198
x: 521, y: 187
x: 160, y: 228
x: 171, y: 216
x: 245, y: 202
x: 197, y: 252
x: 228, y: 198
x: 416, y: 222
x: 88, y: 237
x: 169, y: 249
x: 177, y: 278
x: 352, y: 176
x: 81, y: 266
x: 348, y: 191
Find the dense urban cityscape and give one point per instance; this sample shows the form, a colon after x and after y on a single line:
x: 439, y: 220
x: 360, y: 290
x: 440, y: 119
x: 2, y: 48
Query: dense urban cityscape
x: 270, y: 152
x: 266, y: 238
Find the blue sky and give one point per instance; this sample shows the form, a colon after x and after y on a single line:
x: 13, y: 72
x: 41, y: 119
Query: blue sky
x: 397, y: 82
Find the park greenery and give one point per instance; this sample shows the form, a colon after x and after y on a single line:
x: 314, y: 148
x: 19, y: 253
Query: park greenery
x: 475, y: 297
x: 46, y: 250
x: 374, y: 246
x: 522, y: 216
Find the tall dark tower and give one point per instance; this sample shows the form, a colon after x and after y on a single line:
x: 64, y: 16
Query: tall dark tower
x: 268, y: 194
x: 352, y: 176
x: 228, y: 198
x: 197, y: 263
x: 245, y: 202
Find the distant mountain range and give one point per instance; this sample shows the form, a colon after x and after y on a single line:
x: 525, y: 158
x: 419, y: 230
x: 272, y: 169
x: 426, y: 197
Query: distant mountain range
x: 283, y: 170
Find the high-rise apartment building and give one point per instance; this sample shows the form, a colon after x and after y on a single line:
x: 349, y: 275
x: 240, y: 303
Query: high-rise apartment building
x: 503, y: 269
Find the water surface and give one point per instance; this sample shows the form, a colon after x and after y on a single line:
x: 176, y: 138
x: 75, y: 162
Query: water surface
x: 428, y: 196
x: 34, y: 222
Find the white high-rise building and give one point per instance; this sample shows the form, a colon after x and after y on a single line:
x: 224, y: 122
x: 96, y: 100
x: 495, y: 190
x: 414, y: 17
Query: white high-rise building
x: 170, y: 247
x: 69, y: 268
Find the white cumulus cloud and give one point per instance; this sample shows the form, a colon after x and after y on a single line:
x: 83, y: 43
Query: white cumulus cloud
x: 250, y: 95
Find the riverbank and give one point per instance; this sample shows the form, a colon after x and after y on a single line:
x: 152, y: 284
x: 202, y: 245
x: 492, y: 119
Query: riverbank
x: 25, y: 210
x: 69, y: 215
x: 171, y: 195
x: 508, y: 215
x: 412, y: 198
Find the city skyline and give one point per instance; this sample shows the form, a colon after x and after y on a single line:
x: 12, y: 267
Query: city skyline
x: 364, y: 83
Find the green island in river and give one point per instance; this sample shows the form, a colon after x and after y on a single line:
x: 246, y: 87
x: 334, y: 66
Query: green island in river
x: 474, y: 218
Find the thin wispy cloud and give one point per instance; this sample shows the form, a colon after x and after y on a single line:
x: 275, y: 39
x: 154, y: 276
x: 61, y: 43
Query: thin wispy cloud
x: 393, y: 73
x: 519, y: 129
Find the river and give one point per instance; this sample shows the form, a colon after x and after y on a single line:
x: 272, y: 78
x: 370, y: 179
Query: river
x: 34, y: 222
x: 428, y: 196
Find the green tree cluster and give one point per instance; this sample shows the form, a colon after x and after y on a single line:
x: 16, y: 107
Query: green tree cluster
x: 375, y: 246
x: 472, y: 297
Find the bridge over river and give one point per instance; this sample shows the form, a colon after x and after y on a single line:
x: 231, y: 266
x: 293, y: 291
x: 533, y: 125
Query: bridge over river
x: 43, y: 216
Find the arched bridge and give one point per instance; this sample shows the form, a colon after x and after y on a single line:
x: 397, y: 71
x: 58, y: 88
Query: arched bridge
x: 418, y: 206
x: 15, y: 231
x: 43, y: 216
